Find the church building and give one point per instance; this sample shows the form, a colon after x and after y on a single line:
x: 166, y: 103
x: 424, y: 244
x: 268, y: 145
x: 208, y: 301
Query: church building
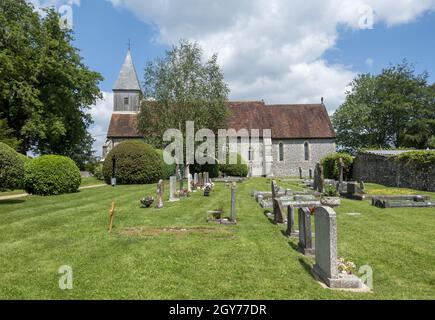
x: 302, y: 134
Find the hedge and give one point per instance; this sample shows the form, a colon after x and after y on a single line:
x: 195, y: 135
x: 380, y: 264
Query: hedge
x: 11, y: 168
x: 167, y: 169
x: 422, y: 159
x: 135, y: 163
x: 331, y: 168
x: 235, y: 170
x: 52, y: 175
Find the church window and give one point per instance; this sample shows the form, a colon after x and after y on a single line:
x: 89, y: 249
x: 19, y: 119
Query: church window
x: 307, y: 151
x: 281, y: 151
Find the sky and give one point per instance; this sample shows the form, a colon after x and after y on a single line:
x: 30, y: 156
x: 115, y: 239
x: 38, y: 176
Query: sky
x: 277, y: 50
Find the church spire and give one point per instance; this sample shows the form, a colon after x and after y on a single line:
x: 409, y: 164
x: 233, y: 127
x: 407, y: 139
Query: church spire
x: 127, y: 79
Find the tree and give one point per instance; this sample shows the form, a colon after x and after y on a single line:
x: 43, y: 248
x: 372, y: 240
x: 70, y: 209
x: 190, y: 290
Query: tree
x: 7, y: 135
x: 395, y: 109
x: 180, y: 87
x: 45, y: 89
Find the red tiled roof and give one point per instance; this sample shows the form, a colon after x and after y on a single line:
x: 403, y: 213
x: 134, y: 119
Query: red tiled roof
x: 299, y: 121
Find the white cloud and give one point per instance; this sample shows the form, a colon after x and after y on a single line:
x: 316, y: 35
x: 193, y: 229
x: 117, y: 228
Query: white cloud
x: 101, y: 113
x: 272, y: 49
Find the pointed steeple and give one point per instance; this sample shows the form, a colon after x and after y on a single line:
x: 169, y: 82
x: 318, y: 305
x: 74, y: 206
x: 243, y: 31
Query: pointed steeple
x: 127, y: 79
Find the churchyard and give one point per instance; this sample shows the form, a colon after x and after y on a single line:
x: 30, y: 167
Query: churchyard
x: 175, y: 253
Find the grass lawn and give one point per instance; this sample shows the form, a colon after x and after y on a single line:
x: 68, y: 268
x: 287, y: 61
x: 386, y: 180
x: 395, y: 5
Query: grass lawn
x: 173, y: 253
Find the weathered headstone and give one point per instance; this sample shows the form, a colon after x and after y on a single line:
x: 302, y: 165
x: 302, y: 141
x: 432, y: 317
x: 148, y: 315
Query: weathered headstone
x: 201, y: 180
x: 189, y: 183
x: 233, y: 215
x: 300, y: 173
x: 321, y: 187
x: 278, y: 211
x: 160, y: 192
x: 291, y: 232
x: 305, y: 234
x: 173, y: 189
x: 195, y: 181
x: 326, y: 266
x: 341, y: 168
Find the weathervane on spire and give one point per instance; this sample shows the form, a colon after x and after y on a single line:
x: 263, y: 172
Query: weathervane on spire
x: 129, y: 44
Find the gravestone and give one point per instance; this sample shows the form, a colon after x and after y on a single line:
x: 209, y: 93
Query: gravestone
x: 189, y: 179
x: 189, y: 183
x: 326, y: 266
x: 311, y: 174
x: 173, y: 189
x: 195, y: 181
x: 291, y: 232
x: 321, y: 188
x: 278, y: 211
x: 233, y: 215
x: 341, y: 167
x: 274, y: 188
x: 305, y: 234
x: 300, y: 173
x: 160, y: 192
x: 201, y: 180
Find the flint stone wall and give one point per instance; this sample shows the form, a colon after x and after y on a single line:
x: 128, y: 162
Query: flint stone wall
x: 386, y: 170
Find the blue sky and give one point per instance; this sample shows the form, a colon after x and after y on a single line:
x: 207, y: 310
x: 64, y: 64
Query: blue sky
x: 276, y: 50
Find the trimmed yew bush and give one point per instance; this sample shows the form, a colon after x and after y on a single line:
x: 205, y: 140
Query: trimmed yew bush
x: 235, y: 170
x: 52, y: 175
x: 11, y: 168
x: 135, y: 163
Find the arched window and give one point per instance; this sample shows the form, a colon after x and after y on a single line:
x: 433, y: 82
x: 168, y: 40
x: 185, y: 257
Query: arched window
x: 281, y: 151
x: 307, y: 151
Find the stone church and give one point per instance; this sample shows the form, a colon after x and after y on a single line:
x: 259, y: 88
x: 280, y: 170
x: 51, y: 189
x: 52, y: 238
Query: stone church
x: 302, y: 134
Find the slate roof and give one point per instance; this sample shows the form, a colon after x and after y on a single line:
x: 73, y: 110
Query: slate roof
x: 299, y: 121
x: 127, y: 79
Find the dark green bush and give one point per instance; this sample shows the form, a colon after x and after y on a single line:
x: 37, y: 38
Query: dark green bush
x: 52, y: 175
x: 167, y: 169
x: 135, y: 163
x: 11, y: 168
x: 235, y: 170
x: 331, y: 169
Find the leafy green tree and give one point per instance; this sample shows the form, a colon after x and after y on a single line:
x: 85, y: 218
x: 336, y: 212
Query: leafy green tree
x: 45, y: 88
x: 395, y: 109
x: 181, y: 87
x: 7, y: 135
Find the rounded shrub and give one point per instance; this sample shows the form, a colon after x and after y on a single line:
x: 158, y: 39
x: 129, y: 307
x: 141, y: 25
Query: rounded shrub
x: 240, y: 169
x: 52, y: 175
x: 167, y: 169
x: 11, y: 168
x: 331, y: 165
x: 135, y: 163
